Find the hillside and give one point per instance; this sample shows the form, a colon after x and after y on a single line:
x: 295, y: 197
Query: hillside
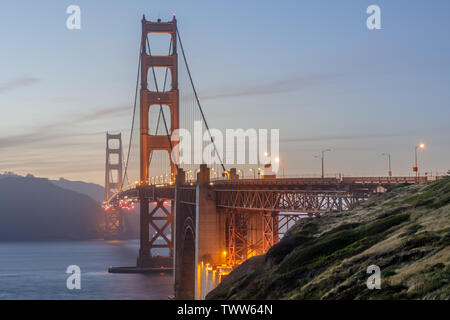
x: 92, y: 190
x: 405, y: 231
x: 36, y: 209
x: 95, y: 191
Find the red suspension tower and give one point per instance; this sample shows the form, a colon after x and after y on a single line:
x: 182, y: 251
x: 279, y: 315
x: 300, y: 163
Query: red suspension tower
x: 114, y: 217
x: 162, y: 224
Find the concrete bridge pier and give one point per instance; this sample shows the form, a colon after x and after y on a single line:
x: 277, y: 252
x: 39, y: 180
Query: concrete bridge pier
x: 199, y: 237
x: 184, y: 242
x: 210, y: 233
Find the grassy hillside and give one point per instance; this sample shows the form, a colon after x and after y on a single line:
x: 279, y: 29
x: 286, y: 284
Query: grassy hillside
x: 406, y: 232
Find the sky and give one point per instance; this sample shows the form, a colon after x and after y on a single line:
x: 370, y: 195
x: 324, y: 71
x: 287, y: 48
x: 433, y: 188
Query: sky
x: 309, y: 68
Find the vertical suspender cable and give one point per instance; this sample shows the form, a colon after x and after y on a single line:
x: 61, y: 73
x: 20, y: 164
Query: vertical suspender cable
x: 198, y: 102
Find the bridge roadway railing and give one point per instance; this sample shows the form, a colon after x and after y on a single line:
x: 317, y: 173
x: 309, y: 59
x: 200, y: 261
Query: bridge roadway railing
x: 324, y: 181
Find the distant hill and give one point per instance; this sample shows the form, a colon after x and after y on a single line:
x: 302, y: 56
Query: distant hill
x: 95, y: 191
x: 92, y: 190
x: 37, y: 209
x: 405, y: 232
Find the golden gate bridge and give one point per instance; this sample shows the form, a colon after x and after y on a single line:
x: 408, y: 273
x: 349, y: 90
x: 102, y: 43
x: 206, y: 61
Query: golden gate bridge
x: 210, y: 219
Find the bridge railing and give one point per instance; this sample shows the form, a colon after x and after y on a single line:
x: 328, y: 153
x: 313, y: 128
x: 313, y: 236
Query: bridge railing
x: 327, y: 180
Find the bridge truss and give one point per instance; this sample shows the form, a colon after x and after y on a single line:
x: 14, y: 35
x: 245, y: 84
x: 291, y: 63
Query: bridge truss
x: 257, y: 218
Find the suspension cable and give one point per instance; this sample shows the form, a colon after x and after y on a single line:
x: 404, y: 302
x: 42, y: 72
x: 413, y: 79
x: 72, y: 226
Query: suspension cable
x: 198, y: 102
x: 134, y: 115
x: 125, y: 176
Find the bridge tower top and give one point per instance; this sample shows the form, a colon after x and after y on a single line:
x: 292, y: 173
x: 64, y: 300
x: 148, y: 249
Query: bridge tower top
x: 161, y: 97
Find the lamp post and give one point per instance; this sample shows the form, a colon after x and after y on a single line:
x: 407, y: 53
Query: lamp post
x: 416, y: 167
x: 389, y: 159
x: 323, y: 161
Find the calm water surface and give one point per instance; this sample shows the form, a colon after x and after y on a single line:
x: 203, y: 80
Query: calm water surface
x: 36, y: 270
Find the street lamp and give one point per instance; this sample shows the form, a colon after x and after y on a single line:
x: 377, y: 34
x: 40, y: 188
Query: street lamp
x: 254, y: 173
x: 389, y: 159
x: 323, y: 161
x: 416, y: 167
x: 241, y: 171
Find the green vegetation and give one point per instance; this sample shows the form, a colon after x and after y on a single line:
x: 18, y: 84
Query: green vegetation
x: 405, y: 231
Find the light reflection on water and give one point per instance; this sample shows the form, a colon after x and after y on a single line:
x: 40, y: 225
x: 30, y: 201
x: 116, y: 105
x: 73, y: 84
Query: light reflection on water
x: 36, y: 270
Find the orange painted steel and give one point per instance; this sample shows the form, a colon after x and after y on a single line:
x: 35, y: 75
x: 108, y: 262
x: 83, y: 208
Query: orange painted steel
x: 114, y: 217
x: 150, y: 142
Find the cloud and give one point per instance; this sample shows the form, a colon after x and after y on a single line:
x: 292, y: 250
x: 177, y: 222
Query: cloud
x: 18, y: 83
x: 437, y: 130
x: 50, y: 131
x: 344, y: 137
x: 281, y: 86
x: 102, y: 113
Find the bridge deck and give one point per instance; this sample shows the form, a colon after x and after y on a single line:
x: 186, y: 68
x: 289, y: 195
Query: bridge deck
x: 353, y: 184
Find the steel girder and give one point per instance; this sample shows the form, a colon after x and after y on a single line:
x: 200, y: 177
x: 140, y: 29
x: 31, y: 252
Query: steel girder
x: 312, y: 202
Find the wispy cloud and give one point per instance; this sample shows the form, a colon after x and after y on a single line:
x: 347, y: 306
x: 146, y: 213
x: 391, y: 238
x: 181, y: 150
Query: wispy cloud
x: 52, y: 131
x: 102, y: 113
x: 18, y: 83
x: 438, y: 130
x: 345, y: 137
x: 281, y: 86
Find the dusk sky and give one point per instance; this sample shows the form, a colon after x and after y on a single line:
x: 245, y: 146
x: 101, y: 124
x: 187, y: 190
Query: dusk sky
x: 309, y: 68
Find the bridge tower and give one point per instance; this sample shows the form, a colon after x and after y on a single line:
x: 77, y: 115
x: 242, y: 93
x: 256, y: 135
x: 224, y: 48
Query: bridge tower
x: 150, y: 142
x: 114, y: 217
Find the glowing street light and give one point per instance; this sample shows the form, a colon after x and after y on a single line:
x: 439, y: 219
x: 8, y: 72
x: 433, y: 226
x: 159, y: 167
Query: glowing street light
x: 416, y: 167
